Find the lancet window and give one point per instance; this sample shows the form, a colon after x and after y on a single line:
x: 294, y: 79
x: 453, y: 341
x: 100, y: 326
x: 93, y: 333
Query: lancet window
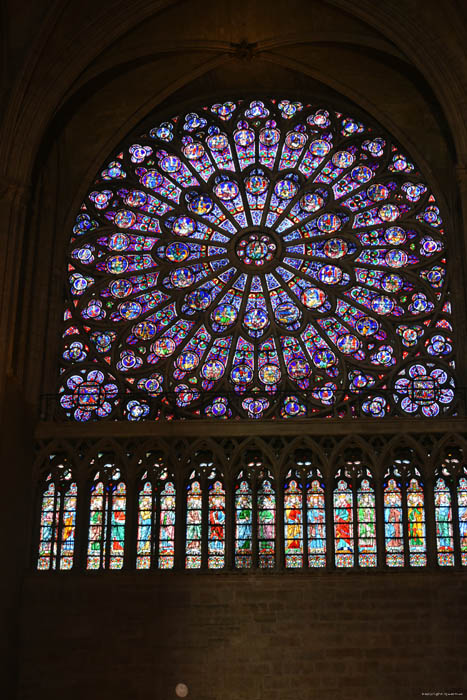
x: 57, y: 517
x: 107, y: 518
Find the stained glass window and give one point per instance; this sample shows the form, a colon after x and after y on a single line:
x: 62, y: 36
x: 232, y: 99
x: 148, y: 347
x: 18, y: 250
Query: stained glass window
x: 366, y: 516
x: 316, y: 520
x: 216, y: 523
x: 156, y: 521
x: 344, y: 539
x: 266, y: 525
x: 107, y: 516
x: 444, y: 529
x: 144, y: 545
x: 462, y: 514
x: 194, y: 523
x: 354, y: 518
x: 257, y: 259
x: 416, y: 522
x: 57, y: 520
x: 404, y: 515
x: 243, y: 523
x: 293, y: 522
x: 393, y: 523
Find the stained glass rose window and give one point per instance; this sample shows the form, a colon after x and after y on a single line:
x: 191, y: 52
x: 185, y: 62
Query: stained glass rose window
x: 258, y: 259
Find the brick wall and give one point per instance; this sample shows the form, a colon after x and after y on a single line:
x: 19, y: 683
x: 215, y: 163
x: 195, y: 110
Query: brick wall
x: 265, y: 636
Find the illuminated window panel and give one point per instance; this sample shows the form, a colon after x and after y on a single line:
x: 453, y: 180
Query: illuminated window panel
x: 344, y: 543
x: 266, y: 525
x: 462, y: 511
x: 416, y: 523
x: 316, y: 524
x: 48, y: 528
x: 144, y: 543
x: 261, y: 258
x: 117, y: 526
x: 243, y: 525
x: 193, y: 541
x: 57, y: 524
x: 167, y: 526
x: 366, y: 516
x: 393, y: 524
x: 107, y: 517
x: 67, y: 544
x: 97, y: 527
x: 293, y: 525
x: 444, y: 528
x: 216, y: 526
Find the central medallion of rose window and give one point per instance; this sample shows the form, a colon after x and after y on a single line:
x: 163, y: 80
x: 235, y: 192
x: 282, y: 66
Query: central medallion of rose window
x: 256, y: 249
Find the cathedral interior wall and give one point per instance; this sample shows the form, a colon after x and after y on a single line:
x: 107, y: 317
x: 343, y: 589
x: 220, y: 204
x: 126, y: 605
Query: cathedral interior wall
x: 78, y: 79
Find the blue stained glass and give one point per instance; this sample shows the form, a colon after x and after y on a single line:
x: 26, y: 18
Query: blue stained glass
x: 57, y: 521
x: 254, y: 220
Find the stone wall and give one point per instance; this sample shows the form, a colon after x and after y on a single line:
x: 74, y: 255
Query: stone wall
x: 339, y: 636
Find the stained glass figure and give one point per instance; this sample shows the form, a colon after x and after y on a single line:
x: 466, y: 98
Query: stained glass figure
x: 243, y: 523
x: 366, y: 516
x: 293, y: 522
x: 144, y: 543
x: 393, y: 524
x: 257, y: 259
x: 216, y: 524
x: 354, y: 517
x: 167, y: 501
x: 416, y: 523
x: 194, y: 524
x: 57, y: 519
x: 444, y: 529
x: 462, y: 514
x: 316, y: 520
x: 344, y: 539
x: 155, y: 545
x: 107, y: 516
x: 266, y: 525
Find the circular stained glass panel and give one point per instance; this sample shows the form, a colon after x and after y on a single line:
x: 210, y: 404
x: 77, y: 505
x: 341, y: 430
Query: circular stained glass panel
x: 242, y: 251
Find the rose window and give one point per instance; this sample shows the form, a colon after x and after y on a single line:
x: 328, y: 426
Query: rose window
x: 270, y: 259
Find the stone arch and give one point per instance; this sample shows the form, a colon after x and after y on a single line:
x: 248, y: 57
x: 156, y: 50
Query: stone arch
x: 407, y: 442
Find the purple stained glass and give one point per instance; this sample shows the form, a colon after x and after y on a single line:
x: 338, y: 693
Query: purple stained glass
x: 258, y: 221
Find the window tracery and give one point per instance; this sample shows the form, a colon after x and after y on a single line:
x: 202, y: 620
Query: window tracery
x: 264, y: 259
x: 288, y: 515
